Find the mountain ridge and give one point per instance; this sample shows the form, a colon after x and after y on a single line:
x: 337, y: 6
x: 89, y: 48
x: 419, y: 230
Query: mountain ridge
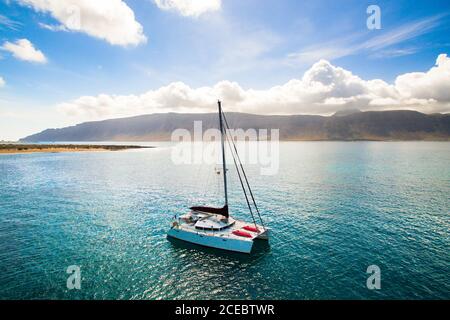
x: 367, y: 125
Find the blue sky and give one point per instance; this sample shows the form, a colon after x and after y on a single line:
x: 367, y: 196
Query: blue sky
x: 254, y: 44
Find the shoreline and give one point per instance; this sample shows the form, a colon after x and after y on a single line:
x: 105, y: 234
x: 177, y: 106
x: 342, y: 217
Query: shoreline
x: 56, y: 148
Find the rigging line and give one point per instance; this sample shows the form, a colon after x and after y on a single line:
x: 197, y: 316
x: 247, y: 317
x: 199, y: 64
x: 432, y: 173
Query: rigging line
x: 246, y: 179
x: 245, y: 176
x: 230, y: 138
x: 242, y: 184
x: 240, y: 179
x: 243, y: 188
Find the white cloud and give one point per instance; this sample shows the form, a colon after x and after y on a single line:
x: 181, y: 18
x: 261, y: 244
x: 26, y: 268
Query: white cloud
x: 187, y: 8
x: 110, y: 20
x: 434, y: 84
x: 323, y: 89
x: 50, y: 27
x: 8, y: 23
x: 23, y: 49
x: 391, y: 53
x: 2, y: 82
x: 376, y: 46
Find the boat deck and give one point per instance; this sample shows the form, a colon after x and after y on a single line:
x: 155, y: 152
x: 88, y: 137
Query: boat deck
x: 223, y: 233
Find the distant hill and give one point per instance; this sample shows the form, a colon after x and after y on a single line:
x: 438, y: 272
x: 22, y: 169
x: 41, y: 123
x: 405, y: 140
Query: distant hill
x: 356, y: 125
x: 346, y: 112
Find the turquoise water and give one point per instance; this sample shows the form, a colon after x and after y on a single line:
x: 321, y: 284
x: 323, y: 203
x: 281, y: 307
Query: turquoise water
x: 334, y: 208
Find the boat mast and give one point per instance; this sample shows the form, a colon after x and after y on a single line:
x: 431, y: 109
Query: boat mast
x: 223, y: 153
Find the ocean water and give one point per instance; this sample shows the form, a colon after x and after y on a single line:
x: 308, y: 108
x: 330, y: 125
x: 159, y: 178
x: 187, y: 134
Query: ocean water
x: 334, y: 209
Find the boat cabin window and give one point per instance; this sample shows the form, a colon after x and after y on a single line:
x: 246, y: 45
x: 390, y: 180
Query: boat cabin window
x: 211, y: 228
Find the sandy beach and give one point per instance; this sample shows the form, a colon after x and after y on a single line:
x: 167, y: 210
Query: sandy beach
x: 56, y: 148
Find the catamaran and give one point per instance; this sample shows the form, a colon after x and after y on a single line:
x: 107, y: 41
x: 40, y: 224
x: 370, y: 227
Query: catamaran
x: 214, y: 227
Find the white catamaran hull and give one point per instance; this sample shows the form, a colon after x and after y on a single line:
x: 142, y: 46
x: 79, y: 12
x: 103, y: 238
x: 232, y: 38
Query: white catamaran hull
x: 203, y: 239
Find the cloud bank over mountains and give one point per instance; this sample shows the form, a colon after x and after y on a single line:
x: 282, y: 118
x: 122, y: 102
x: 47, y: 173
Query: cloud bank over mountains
x: 323, y: 89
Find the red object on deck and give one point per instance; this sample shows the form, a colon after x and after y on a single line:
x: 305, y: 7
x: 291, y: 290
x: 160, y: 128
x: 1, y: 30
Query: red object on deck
x: 242, y: 234
x: 252, y: 229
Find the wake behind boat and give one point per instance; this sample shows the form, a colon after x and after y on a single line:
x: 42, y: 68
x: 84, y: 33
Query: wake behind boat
x: 214, y: 227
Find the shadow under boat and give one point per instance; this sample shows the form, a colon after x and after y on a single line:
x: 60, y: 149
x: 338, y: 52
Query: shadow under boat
x: 260, y: 247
